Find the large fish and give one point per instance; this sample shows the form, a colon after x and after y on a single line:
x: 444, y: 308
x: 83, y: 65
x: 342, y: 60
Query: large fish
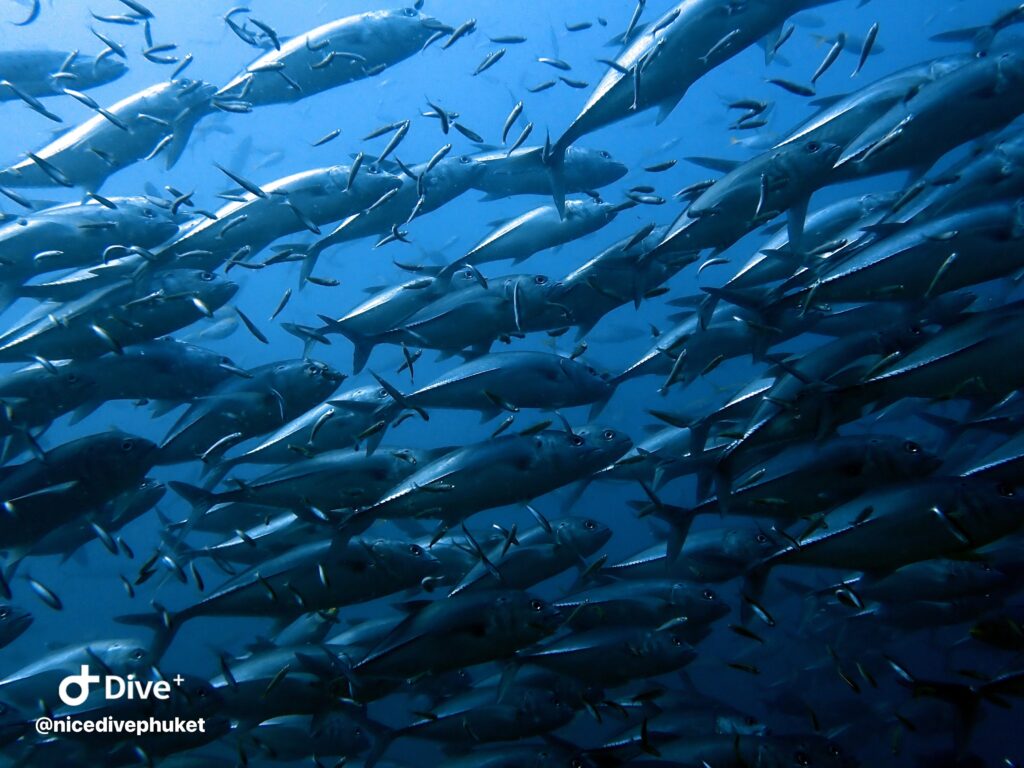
x: 659, y: 66
x: 42, y: 73
x: 156, y: 120
x: 339, y: 52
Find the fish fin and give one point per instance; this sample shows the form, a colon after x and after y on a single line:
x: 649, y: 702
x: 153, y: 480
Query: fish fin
x: 181, y: 135
x: 666, y: 106
x: 824, y: 102
x: 83, y: 411
x: 795, y: 220
x: 715, y: 163
x: 554, y: 160
x: 198, y: 498
x: 162, y: 407
x: 770, y: 41
x: 574, y: 492
x: 362, y: 347
x: 163, y: 625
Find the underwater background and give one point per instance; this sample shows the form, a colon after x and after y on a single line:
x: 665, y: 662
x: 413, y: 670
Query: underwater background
x: 762, y: 677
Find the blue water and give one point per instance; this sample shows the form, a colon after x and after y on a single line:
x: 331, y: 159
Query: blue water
x: 274, y: 141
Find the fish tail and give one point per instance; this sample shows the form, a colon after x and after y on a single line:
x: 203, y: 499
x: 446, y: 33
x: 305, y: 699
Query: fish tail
x: 679, y: 519
x: 164, y: 626
x: 309, y: 262
x: 554, y: 160
x: 362, y: 347
x: 200, y: 500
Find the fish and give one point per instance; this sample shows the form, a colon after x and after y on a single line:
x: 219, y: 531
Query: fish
x: 157, y: 119
x: 362, y: 45
x: 728, y: 475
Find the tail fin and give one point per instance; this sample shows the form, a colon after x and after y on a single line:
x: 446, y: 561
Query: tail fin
x: 554, y: 159
x: 362, y: 347
x: 163, y: 624
x: 198, y: 498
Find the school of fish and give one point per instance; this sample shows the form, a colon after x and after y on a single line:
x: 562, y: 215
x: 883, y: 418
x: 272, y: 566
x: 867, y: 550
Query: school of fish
x: 825, y: 556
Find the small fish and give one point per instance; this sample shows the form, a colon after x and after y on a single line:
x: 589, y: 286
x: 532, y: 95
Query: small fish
x: 578, y: 26
x: 466, y: 28
x: 468, y: 133
x: 112, y: 45
x: 578, y: 84
x: 46, y: 594
x: 523, y: 136
x: 282, y: 303
x: 441, y: 115
x: 403, y: 129
x: 786, y: 34
x: 33, y: 14
x: 490, y: 60
x: 665, y: 22
x: 795, y: 88
x: 661, y: 167
x: 251, y: 327
x: 542, y: 86
x: 865, y: 51
x: 382, y: 130
x: 268, y: 31
x: 720, y: 45
x: 241, y: 181
x: 327, y: 137
x: 830, y: 57
x: 356, y: 165
x: 556, y: 63
x: 323, y: 281
x: 517, y: 110
x: 508, y: 39
x: 634, y: 20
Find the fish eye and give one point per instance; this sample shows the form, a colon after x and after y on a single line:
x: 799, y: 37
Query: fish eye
x: 206, y: 276
x: 465, y: 159
x: 576, y: 440
x: 911, y: 447
x: 127, y: 445
x: 834, y: 750
x: 416, y: 550
x: 606, y: 155
x: 707, y: 594
x: 761, y: 538
x: 382, y: 393
x: 5, y: 612
x: 540, y: 279
x: 590, y: 525
x: 813, y: 147
x: 801, y: 758
x: 1004, y: 489
x: 410, y: 12
x: 138, y: 654
x: 591, y: 371
x: 72, y: 378
x: 608, y: 434
x: 677, y: 641
x: 537, y: 605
